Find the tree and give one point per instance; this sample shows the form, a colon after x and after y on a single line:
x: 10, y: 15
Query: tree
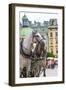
x: 49, y: 54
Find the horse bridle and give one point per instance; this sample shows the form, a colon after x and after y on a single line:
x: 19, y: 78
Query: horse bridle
x: 37, y: 39
x: 23, y: 53
x: 27, y: 55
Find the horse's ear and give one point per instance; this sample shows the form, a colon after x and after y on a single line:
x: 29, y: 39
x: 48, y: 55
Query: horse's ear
x: 34, y: 32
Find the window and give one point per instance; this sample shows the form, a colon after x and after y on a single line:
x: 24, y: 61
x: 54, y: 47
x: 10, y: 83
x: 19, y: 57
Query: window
x: 51, y: 34
x: 56, y: 50
x: 51, y: 50
x: 51, y: 41
x: 52, y: 22
x: 56, y: 40
x: 56, y: 34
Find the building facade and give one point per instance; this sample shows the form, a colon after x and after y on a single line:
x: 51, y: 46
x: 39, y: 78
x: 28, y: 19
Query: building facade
x: 53, y: 37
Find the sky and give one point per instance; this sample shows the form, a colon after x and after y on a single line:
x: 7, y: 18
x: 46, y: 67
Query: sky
x: 37, y: 16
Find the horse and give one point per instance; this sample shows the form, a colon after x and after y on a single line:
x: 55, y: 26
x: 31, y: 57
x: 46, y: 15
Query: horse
x: 33, y: 55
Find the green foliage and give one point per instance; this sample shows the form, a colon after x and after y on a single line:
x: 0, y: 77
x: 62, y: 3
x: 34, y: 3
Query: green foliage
x: 49, y: 54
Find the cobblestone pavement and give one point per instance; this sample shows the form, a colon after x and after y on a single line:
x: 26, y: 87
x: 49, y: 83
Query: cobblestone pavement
x: 50, y: 72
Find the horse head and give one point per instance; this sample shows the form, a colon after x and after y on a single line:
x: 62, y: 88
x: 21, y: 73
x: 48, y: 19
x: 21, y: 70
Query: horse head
x: 38, y: 45
x: 34, y: 45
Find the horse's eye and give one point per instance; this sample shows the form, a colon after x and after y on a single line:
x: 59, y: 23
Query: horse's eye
x: 37, y: 36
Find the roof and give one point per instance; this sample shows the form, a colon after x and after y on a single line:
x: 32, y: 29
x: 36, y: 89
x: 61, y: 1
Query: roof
x: 24, y: 17
x: 52, y: 27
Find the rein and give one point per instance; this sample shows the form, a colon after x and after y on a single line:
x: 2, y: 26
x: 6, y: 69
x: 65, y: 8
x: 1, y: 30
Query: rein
x: 24, y: 54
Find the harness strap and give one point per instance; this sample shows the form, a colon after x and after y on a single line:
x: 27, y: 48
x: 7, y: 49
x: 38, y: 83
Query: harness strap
x: 24, y: 54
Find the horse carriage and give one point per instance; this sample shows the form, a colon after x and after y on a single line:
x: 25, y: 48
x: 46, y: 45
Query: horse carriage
x: 33, y: 55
